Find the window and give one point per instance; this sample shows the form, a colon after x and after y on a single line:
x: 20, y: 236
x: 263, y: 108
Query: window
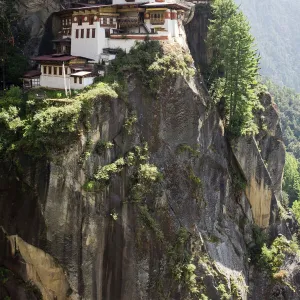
x: 82, y: 33
x: 93, y: 33
x: 80, y: 80
x: 79, y: 21
x: 35, y: 82
x: 75, y: 79
x: 44, y: 69
x: 104, y: 21
x: 60, y: 70
x: 111, y: 21
x: 55, y: 70
x: 107, y: 33
x: 91, y: 20
x: 77, y: 33
x: 88, y: 33
x: 49, y: 70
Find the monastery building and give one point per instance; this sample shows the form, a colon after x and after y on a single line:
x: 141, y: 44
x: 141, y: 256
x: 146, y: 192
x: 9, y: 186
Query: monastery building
x: 92, y: 34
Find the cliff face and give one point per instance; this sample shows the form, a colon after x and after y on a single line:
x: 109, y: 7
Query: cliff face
x: 197, y: 220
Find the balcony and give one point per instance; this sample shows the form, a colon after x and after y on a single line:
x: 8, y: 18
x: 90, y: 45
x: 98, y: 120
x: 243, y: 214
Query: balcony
x: 157, y: 21
x: 126, y: 22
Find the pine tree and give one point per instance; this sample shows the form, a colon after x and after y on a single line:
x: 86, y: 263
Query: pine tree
x: 234, y: 69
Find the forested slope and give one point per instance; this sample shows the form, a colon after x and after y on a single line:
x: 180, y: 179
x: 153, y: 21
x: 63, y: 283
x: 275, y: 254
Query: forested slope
x: 275, y: 25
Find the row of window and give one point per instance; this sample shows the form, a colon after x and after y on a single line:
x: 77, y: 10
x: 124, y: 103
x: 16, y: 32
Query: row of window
x: 53, y: 70
x: 105, y: 21
x: 89, y: 33
x: 49, y: 70
x: 79, y: 80
x: 66, y: 22
x: 90, y: 18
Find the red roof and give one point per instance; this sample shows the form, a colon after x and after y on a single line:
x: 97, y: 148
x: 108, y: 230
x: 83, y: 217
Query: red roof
x: 32, y: 73
x: 57, y: 58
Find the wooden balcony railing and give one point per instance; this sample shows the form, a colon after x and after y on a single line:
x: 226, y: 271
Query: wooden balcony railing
x: 125, y: 22
x: 157, y: 21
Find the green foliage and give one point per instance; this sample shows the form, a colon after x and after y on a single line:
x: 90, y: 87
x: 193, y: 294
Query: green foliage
x: 170, y: 65
x: 197, y: 186
x: 150, y: 222
x: 4, y: 274
x: 223, y: 292
x: 137, y: 61
x: 187, y: 148
x: 181, y: 264
x: 279, y: 56
x: 291, y: 179
x: 151, y: 64
x: 260, y: 239
x: 13, y: 38
x: 234, y: 69
x: 288, y: 105
x: 272, y: 258
x: 146, y: 175
x: 102, y: 146
x: 239, y: 183
x: 296, y: 210
x: 235, y: 291
x: 89, y: 186
x: 39, y: 126
x: 114, y: 215
x: 104, y: 173
x: 129, y: 123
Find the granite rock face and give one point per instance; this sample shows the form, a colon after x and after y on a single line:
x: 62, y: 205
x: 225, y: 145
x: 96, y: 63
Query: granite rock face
x: 48, y: 208
x: 35, y: 17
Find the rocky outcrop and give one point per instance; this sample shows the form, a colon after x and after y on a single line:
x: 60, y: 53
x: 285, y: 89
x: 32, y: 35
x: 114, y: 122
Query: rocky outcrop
x: 121, y: 258
x: 35, y: 18
x: 196, y: 32
x: 32, y: 265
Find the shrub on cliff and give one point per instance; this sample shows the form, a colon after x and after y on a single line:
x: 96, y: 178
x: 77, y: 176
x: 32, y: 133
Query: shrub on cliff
x: 151, y: 63
x: 41, y: 126
x: 234, y: 69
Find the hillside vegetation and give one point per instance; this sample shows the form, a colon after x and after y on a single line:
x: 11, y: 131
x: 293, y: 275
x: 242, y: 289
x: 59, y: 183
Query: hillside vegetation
x: 288, y: 102
x: 275, y: 25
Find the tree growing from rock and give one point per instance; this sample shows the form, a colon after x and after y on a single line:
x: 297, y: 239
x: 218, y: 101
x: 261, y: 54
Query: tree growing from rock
x: 234, y: 69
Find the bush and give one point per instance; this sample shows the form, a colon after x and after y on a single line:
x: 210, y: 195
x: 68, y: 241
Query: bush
x: 42, y: 126
x: 272, y: 258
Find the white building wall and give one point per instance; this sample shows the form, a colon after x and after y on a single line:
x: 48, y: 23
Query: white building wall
x: 175, y: 32
x: 124, y: 44
x: 86, y: 81
x: 57, y: 82
x: 53, y: 82
x: 169, y: 26
x: 86, y: 47
x: 102, y: 41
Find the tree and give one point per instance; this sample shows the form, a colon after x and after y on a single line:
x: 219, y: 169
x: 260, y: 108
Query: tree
x: 13, y: 37
x: 291, y: 179
x: 296, y: 210
x: 234, y: 69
